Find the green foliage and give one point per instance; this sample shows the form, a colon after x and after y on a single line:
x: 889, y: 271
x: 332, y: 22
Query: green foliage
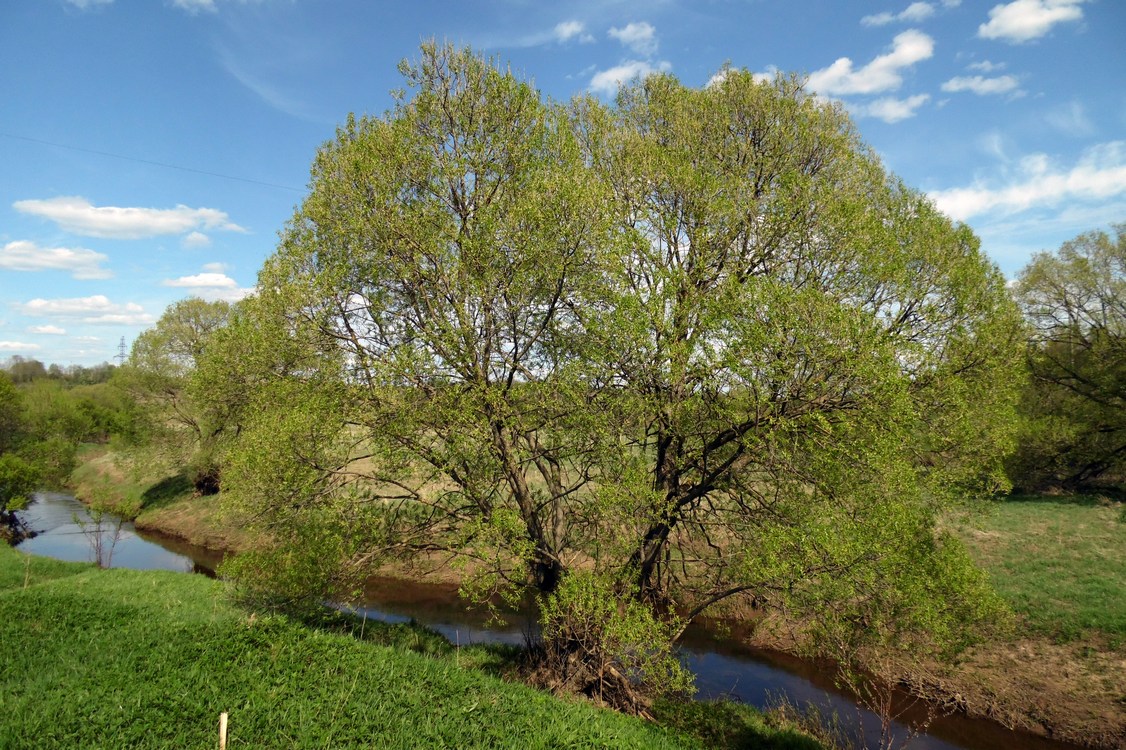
x: 604, y: 644
x: 11, y: 421
x: 159, y: 376
x: 700, y: 340
x: 1074, y: 410
x: 18, y: 479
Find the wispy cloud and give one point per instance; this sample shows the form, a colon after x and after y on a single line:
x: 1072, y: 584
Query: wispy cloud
x: 985, y: 66
x: 79, y: 262
x: 1024, y: 20
x: 639, y: 36
x: 1070, y: 119
x: 1098, y: 175
x: 608, y: 81
x: 76, y: 214
x: 981, y: 85
x: 195, y: 6
x: 87, y: 4
x: 913, y: 13
x: 883, y: 73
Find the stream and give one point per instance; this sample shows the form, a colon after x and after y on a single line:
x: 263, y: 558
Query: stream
x: 723, y: 665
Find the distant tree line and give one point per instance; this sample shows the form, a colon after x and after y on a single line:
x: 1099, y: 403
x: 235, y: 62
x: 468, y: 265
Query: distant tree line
x: 25, y: 370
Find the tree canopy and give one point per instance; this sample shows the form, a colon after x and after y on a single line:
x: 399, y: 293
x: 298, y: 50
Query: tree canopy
x: 1075, y: 407
x: 692, y: 347
x: 159, y: 374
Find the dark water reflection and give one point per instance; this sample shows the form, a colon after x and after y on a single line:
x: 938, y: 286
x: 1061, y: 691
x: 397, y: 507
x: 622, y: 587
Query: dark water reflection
x: 724, y: 666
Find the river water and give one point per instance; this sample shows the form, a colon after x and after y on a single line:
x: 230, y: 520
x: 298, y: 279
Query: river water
x: 723, y: 665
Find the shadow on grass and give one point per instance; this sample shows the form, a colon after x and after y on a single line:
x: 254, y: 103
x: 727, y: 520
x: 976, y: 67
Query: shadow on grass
x: 1090, y: 499
x: 730, y: 725
x: 166, y: 491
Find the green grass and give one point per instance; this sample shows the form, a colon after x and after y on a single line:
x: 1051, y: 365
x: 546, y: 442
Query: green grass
x: 148, y: 659
x: 1059, y: 561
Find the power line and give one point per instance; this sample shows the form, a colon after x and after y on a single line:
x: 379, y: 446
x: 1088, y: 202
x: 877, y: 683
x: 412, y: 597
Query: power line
x: 149, y: 162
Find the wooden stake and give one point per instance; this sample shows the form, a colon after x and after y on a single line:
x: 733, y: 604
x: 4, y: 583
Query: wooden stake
x: 223, y: 731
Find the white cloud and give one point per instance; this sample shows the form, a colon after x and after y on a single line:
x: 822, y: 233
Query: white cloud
x: 17, y: 346
x: 208, y: 280
x: 215, y: 267
x: 882, y: 74
x: 79, y: 262
x: 85, y: 4
x: 76, y: 214
x: 211, y: 285
x: 721, y: 75
x: 766, y: 76
x: 981, y: 85
x: 608, y: 81
x: 196, y: 239
x: 48, y: 330
x: 95, y: 309
x: 568, y: 30
x: 913, y: 13
x: 889, y: 109
x: 985, y: 66
x: 1023, y: 20
x: 1099, y: 174
x: 638, y: 36
x: 717, y: 78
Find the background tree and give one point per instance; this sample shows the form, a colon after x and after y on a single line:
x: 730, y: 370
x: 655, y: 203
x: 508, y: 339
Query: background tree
x: 18, y: 477
x: 1075, y: 406
x: 695, y: 347
x: 161, y: 364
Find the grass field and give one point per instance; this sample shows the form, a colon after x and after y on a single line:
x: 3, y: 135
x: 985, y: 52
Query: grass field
x: 1059, y: 561
x: 119, y: 658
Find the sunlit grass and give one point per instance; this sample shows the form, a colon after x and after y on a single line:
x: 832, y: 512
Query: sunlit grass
x: 1059, y: 561
x: 140, y: 659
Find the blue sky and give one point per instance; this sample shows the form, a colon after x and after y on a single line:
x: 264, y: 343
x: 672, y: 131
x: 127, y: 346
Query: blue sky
x: 152, y: 149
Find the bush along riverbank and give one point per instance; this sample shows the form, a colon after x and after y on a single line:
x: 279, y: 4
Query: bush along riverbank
x: 1057, y: 561
x: 122, y: 658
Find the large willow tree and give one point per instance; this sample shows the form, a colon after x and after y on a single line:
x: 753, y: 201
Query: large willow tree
x: 693, y: 347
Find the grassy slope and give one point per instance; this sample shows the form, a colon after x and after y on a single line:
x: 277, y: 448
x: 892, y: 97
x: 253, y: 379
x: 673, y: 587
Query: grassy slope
x: 1060, y: 562
x: 140, y: 659
x: 141, y: 486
